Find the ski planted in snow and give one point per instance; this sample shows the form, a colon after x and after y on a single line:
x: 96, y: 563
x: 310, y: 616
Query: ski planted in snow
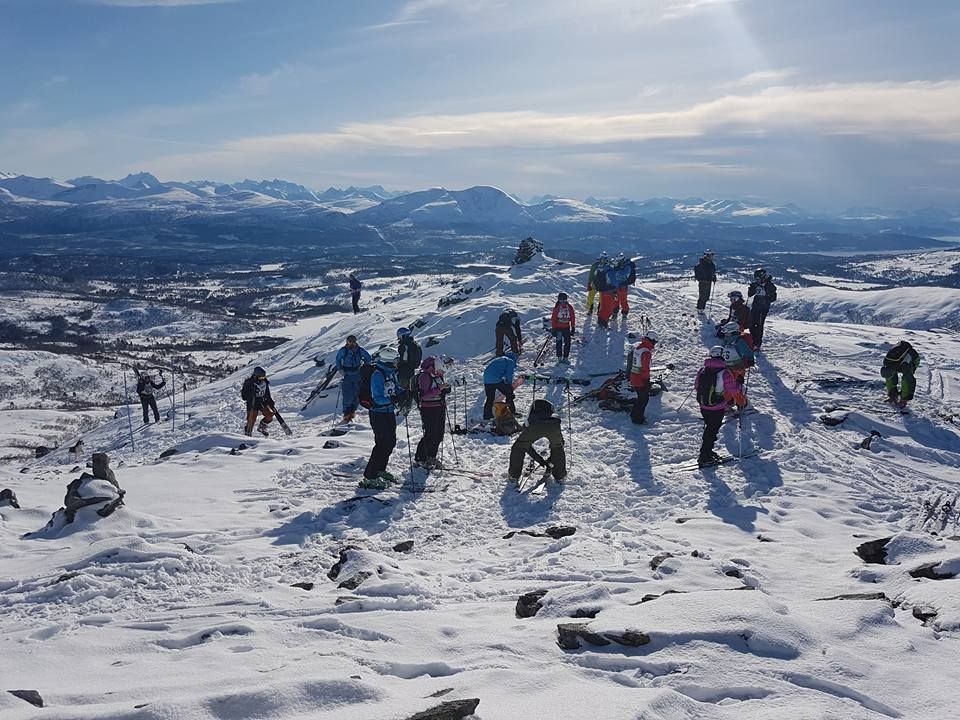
x: 321, y: 387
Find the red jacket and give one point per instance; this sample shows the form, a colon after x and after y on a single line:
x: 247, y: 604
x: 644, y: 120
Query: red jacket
x: 557, y: 323
x: 641, y: 357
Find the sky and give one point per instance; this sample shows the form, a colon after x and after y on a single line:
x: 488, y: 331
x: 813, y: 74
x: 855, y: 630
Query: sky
x: 824, y: 103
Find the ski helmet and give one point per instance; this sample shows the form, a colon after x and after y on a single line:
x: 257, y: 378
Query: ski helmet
x: 716, y: 351
x: 510, y: 354
x: 731, y: 328
x: 388, y: 355
x: 651, y: 335
x: 561, y: 297
x: 759, y: 273
x: 735, y: 295
x: 259, y: 372
x: 709, y: 253
x: 401, y: 332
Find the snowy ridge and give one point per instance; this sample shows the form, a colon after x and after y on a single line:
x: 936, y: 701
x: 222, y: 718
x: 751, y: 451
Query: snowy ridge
x: 709, y: 594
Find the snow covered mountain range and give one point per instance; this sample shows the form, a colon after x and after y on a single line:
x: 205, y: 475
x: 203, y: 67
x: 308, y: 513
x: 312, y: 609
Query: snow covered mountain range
x: 250, y: 578
x: 30, y: 204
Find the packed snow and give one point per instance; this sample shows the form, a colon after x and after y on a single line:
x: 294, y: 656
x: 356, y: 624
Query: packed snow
x: 726, y: 592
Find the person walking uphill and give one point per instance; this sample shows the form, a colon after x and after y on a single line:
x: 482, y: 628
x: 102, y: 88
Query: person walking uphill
x: 355, y: 286
x: 591, y: 288
x: 626, y: 276
x: 146, y: 387
x: 717, y: 390
x: 349, y: 359
x: 498, y: 376
x: 902, y: 359
x: 563, y: 323
x: 256, y: 393
x: 432, y: 391
x: 638, y: 363
x: 508, y: 326
x: 763, y: 292
x: 385, y: 393
x: 605, y: 282
x: 706, y: 274
x: 541, y: 423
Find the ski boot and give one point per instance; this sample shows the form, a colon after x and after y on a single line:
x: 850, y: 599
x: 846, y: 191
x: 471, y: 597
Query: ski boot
x: 263, y: 429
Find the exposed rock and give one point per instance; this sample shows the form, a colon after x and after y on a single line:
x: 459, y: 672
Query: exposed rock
x: 529, y: 603
x: 344, y: 599
x: 734, y: 573
x: 570, y: 634
x: 303, y: 585
x: 764, y: 538
x: 451, y: 710
x: 868, y: 440
x: 331, y: 444
x: 352, y: 583
x: 585, y: 612
x: 344, y: 558
x: 658, y: 560
x: 441, y: 693
x: 874, y: 551
x: 924, y: 614
x: 630, y: 638
x: 31, y: 696
x: 929, y: 572
x: 859, y: 596
x: 405, y: 546
x: 40, y: 451
x: 168, y: 452
x: 9, y: 497
x: 556, y: 532
x: 101, y: 489
x: 66, y: 576
x: 528, y: 248
x: 833, y: 419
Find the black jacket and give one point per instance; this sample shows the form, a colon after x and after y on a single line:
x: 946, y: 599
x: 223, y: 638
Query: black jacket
x: 705, y: 270
x: 249, y: 393
x: 512, y: 321
x: 142, y: 383
x: 763, y: 293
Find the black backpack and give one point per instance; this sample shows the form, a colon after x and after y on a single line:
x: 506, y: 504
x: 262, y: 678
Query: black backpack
x: 410, y: 353
x: 896, y: 354
x: 707, y: 387
x: 364, y: 396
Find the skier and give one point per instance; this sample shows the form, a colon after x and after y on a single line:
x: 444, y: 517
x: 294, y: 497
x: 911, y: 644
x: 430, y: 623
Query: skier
x: 410, y: 356
x: 349, y: 359
x: 739, y: 312
x: 763, y: 292
x: 541, y: 423
x: 626, y: 276
x: 591, y: 289
x: 498, y: 375
x: 737, y: 351
x: 432, y: 391
x: 508, y: 325
x: 901, y: 359
x: 638, y: 365
x: 355, y: 286
x: 605, y: 282
x: 385, y: 393
x: 146, y: 386
x: 717, y: 390
x: 563, y: 324
x: 706, y: 274
x: 256, y: 392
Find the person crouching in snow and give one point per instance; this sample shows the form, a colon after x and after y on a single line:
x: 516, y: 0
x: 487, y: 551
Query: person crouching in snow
x: 563, y: 323
x: 498, y: 375
x: 717, y: 390
x: 541, y: 423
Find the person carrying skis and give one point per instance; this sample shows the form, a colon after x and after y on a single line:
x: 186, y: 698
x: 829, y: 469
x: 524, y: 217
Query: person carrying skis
x: 737, y: 351
x: 638, y: 365
x: 256, y: 393
x: 508, y: 326
x: 410, y: 356
x: 902, y: 359
x: 349, y: 359
x: 626, y: 276
x: 355, y: 286
x: 591, y: 289
x: 432, y: 391
x: 146, y: 387
x: 763, y: 292
x: 605, y: 282
x: 717, y: 390
x: 498, y: 376
x: 385, y: 393
x: 563, y: 324
x: 706, y: 274
x: 541, y: 423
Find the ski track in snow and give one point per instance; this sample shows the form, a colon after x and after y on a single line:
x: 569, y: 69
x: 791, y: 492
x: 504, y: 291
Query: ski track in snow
x: 180, y: 605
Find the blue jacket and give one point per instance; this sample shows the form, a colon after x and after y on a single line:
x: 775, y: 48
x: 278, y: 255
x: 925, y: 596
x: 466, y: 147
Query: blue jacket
x: 384, y: 389
x: 499, y: 370
x: 350, y: 359
x: 355, y: 284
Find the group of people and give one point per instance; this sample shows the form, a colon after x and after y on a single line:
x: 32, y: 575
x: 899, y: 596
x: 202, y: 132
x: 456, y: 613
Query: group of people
x: 612, y: 279
x: 751, y: 318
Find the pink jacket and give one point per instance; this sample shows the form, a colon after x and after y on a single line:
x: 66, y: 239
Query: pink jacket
x: 430, y: 384
x: 731, y: 390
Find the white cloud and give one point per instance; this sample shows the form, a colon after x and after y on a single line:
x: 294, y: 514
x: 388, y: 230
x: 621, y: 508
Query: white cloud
x: 763, y: 77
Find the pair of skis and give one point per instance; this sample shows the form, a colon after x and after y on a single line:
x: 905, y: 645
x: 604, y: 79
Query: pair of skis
x: 724, y: 460
x: 321, y: 387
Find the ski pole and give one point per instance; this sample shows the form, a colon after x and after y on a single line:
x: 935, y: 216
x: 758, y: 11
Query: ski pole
x: 409, y: 449
x: 685, y: 400
x: 453, y: 442
x: 463, y: 381
x: 335, y: 403
x: 126, y: 393
x: 569, y: 427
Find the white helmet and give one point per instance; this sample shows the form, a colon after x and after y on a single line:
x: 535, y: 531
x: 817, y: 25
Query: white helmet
x: 731, y: 328
x: 716, y: 351
x: 388, y: 355
x: 651, y: 335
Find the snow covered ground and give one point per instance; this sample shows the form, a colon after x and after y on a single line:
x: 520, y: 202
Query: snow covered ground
x: 731, y: 592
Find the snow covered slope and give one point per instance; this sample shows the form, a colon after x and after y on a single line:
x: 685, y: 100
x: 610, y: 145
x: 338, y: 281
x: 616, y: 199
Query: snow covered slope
x: 731, y: 592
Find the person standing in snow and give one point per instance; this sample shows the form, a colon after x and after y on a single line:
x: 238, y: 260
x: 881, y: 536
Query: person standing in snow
x: 638, y: 365
x: 739, y: 312
x: 763, y: 292
x: 385, y: 393
x: 541, y: 423
x: 706, y: 274
x: 349, y: 359
x: 605, y: 282
x: 498, y: 377
x: 626, y: 276
x: 591, y: 288
x: 717, y: 390
x: 256, y: 393
x: 563, y: 324
x: 355, y: 286
x: 410, y: 355
x: 432, y: 391
x: 146, y: 387
x: 903, y: 360
x: 508, y: 326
